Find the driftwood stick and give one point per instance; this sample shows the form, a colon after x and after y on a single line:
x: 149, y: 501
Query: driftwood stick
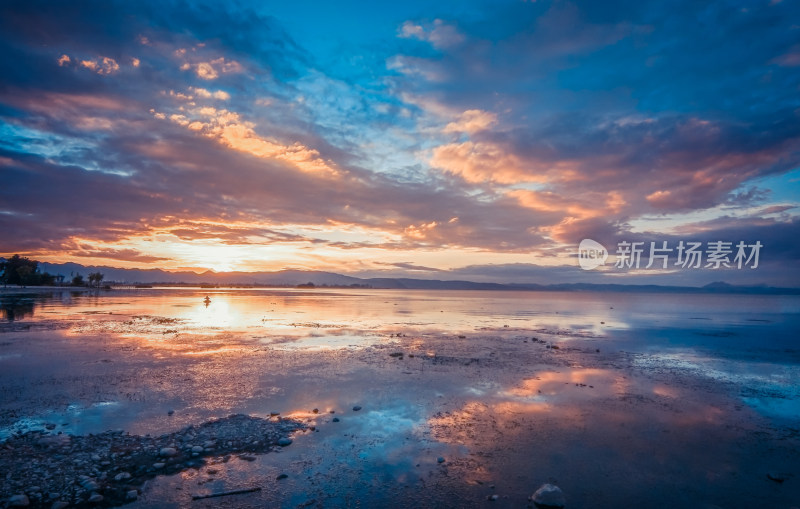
x: 225, y: 493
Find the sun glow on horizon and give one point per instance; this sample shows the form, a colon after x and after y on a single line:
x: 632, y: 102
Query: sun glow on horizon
x: 422, y: 154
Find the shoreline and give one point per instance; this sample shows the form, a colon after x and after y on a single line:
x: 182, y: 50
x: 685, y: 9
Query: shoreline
x: 45, y: 289
x: 501, y: 288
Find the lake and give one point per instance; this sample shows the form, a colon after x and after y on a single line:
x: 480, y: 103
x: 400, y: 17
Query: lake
x: 622, y: 399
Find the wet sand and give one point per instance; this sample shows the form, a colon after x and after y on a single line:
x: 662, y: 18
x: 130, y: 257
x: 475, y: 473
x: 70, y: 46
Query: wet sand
x: 507, y: 408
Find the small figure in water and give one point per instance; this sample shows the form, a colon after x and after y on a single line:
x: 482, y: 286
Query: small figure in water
x: 207, y: 300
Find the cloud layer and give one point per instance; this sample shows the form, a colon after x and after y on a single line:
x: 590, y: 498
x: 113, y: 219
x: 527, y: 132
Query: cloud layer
x: 179, y: 134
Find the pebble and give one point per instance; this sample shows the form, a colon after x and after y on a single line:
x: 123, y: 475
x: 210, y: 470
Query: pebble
x: 493, y: 498
x: 283, y: 442
x: 440, y: 459
x: 95, y: 498
x: 170, y: 412
x: 356, y: 408
x: 90, y: 485
x: 197, y: 448
x: 158, y: 466
x: 122, y: 475
x: 549, y: 495
x: 282, y: 476
x: 59, y: 504
x: 19, y: 501
x: 132, y: 495
x: 335, y: 419
x: 167, y: 452
x: 316, y: 411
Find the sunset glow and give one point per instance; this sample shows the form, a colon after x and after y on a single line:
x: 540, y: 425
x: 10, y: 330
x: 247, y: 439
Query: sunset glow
x: 472, y: 140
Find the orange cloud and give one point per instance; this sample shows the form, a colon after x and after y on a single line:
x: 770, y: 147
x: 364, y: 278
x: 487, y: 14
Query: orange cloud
x: 207, y: 94
x: 471, y: 121
x: 101, y: 65
x: 231, y: 130
x: 485, y: 162
x: 206, y: 71
x: 548, y: 201
x: 212, y: 69
x: 420, y: 232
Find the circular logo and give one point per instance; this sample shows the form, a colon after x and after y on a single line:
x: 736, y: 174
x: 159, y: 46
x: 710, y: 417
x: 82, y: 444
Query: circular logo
x: 591, y: 254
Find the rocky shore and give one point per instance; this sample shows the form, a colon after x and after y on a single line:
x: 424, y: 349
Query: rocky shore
x: 56, y: 470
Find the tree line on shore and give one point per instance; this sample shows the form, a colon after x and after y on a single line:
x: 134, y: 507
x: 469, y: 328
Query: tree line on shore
x: 22, y: 271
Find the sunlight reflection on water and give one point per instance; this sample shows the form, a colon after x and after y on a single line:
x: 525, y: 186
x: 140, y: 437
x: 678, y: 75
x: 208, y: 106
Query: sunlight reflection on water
x: 451, y: 374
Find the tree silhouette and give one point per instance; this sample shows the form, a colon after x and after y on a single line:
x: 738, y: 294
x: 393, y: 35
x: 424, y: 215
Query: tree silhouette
x: 19, y: 270
x: 24, y: 274
x: 95, y: 278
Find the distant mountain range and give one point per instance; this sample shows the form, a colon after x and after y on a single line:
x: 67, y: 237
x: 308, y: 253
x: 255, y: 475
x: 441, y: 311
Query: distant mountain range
x: 320, y: 278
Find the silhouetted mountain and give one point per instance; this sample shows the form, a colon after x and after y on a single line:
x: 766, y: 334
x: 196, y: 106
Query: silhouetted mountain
x: 431, y: 284
x: 718, y: 285
x: 321, y: 278
x: 151, y: 276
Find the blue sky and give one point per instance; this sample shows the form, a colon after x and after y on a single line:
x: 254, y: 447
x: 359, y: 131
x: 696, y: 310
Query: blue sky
x: 461, y: 138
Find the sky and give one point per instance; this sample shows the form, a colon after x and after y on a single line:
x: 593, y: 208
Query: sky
x: 447, y: 140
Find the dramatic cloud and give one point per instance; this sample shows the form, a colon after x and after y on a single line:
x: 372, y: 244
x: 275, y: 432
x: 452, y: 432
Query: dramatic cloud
x: 179, y: 133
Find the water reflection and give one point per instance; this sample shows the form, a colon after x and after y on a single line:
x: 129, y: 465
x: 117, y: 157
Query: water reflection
x: 569, y: 385
x: 566, y: 314
x: 450, y: 374
x: 15, y: 307
x: 19, y: 306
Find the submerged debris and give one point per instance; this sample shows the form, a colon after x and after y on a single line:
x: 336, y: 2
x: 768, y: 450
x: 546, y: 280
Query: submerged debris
x: 226, y: 493
x: 778, y: 477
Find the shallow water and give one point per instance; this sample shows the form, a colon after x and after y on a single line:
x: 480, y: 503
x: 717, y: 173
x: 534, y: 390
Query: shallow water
x: 620, y: 425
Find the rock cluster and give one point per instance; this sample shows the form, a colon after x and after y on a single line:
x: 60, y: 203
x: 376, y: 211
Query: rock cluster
x: 108, y: 469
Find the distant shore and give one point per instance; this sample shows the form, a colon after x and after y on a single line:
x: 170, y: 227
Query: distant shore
x: 40, y: 289
x: 721, y: 289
